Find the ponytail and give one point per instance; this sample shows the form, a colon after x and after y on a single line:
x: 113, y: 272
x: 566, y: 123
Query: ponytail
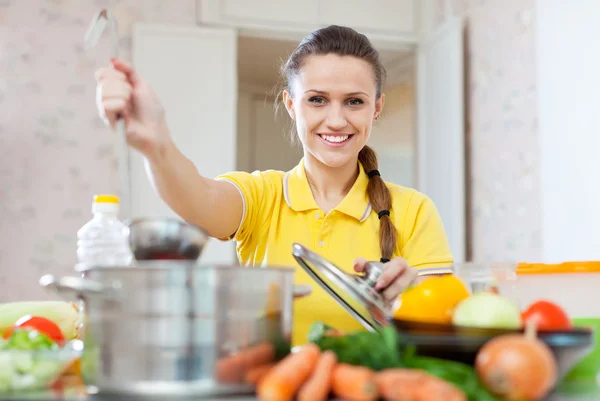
x: 381, y: 202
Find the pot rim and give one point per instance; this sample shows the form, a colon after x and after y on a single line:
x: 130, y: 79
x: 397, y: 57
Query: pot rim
x: 166, y: 265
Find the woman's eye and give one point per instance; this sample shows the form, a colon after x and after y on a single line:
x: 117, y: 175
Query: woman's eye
x: 355, y: 102
x: 316, y: 99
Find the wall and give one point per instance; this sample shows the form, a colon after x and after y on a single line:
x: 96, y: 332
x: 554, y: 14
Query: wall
x: 503, y: 139
x: 393, y: 136
x: 263, y: 136
x: 56, y: 154
x: 569, y: 124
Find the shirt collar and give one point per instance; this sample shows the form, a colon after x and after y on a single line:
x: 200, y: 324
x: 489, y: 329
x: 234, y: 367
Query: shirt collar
x: 298, y: 194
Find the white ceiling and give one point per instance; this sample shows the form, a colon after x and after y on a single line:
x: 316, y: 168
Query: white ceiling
x: 259, y: 60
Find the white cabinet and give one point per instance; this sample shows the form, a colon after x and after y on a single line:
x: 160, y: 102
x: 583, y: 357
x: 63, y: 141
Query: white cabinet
x: 441, y: 129
x: 292, y: 19
x: 386, y: 22
x: 384, y: 17
x: 200, y: 101
x: 259, y: 13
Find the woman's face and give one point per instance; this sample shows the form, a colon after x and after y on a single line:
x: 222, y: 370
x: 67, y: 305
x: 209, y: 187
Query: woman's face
x: 333, y: 101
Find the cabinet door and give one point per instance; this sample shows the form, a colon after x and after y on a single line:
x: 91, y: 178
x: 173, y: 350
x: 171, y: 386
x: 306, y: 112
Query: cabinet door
x: 383, y: 17
x: 193, y: 70
x: 441, y: 129
x: 286, y: 15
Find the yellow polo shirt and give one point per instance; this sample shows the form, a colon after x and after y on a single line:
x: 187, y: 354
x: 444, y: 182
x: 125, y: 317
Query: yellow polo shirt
x: 279, y: 209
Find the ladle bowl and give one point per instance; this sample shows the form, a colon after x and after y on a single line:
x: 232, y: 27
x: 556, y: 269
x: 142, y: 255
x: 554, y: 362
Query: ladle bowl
x: 165, y: 239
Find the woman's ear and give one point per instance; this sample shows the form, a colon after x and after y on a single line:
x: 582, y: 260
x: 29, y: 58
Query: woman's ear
x: 379, y: 106
x: 289, y: 104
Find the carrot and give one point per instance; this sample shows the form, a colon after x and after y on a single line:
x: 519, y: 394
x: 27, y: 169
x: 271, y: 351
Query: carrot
x: 333, y: 333
x: 354, y: 383
x: 233, y: 368
x: 437, y: 389
x: 283, y: 381
x: 318, y: 386
x: 256, y: 373
x: 401, y: 384
x: 415, y: 385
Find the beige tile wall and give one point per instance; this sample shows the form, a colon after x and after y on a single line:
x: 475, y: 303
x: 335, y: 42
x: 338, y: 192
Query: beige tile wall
x: 503, y: 137
x: 55, y: 153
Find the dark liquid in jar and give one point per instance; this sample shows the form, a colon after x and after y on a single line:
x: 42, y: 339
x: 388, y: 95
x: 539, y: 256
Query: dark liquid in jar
x: 183, y: 253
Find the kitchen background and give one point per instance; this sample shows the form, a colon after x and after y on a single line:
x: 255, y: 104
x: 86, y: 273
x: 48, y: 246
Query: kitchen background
x: 530, y: 117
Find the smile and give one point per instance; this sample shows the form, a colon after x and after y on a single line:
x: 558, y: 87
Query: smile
x: 335, y: 139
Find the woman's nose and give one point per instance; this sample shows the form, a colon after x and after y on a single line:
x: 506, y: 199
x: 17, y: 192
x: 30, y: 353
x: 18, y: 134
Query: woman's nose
x: 336, y: 119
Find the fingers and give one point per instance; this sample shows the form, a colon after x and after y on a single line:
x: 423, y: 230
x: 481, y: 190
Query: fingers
x: 398, y: 286
x: 392, y: 269
x: 113, y: 94
x: 113, y: 100
x: 109, y: 73
x: 113, y: 110
x: 125, y: 68
x: 396, y: 277
x: 116, y: 89
x: 359, y: 265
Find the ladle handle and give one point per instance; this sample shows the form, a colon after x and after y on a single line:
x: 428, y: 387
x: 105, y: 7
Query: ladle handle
x: 124, y: 167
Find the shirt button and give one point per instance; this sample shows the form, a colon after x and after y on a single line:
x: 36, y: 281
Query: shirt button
x: 317, y: 215
x: 321, y: 243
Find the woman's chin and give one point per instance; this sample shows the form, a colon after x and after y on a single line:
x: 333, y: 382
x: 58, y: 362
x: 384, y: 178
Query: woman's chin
x: 337, y: 159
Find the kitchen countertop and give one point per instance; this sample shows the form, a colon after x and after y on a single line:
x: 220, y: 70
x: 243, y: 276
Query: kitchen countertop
x: 49, y: 396
x: 75, y: 391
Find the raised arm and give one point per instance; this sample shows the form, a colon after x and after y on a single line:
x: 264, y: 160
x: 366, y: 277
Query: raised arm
x: 215, y: 206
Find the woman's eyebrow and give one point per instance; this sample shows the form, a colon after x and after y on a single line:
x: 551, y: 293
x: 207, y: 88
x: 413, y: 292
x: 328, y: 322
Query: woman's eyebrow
x: 347, y: 94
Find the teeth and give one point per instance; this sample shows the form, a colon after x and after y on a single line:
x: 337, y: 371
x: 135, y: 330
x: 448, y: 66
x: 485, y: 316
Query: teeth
x: 335, y: 138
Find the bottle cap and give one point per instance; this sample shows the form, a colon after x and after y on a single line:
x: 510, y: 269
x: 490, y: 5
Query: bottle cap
x: 106, y: 199
x: 105, y: 204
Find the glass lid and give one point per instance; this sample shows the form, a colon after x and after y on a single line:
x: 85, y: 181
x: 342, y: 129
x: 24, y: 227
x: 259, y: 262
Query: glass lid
x: 354, y: 292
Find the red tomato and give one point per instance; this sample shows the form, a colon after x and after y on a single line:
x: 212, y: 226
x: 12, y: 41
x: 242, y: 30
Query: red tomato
x: 547, y: 316
x: 40, y: 324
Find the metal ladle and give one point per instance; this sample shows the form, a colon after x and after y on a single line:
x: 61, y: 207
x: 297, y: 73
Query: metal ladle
x: 97, y: 27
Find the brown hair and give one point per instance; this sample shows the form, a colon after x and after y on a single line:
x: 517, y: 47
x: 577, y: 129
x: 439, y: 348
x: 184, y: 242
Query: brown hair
x: 345, y: 41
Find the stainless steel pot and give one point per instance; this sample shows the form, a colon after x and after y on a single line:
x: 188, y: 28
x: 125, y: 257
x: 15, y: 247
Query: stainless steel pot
x: 176, y: 327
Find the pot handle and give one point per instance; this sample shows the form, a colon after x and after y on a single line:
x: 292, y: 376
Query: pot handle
x: 302, y: 290
x: 71, y: 287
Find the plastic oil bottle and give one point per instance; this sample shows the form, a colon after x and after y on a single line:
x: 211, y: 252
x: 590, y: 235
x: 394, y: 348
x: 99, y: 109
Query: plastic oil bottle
x: 104, y: 240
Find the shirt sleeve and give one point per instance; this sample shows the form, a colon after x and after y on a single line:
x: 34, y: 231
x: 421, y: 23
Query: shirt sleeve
x: 423, y: 241
x: 257, y: 190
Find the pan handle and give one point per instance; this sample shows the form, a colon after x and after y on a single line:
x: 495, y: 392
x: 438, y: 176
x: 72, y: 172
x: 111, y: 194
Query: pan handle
x: 74, y: 288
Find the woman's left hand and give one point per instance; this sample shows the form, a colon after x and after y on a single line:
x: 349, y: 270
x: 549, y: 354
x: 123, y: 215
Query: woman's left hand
x: 397, y: 276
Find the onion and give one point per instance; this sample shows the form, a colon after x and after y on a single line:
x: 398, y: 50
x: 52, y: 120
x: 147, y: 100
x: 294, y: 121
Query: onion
x: 517, y: 367
x: 489, y: 310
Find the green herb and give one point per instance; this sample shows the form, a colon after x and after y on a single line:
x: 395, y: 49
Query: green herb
x: 362, y: 348
x: 25, y: 339
x: 385, y: 349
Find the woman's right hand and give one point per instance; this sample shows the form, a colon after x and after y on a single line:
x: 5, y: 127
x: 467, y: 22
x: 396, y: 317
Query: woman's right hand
x: 122, y: 92
x: 213, y: 205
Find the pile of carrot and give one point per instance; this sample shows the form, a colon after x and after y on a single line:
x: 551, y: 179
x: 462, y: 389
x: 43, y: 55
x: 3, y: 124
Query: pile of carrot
x: 311, y: 374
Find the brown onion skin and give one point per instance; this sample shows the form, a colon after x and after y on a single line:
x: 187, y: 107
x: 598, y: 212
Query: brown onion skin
x: 517, y: 368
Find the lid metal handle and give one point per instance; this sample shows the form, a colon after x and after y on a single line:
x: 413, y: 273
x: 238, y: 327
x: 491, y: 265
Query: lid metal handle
x: 372, y: 272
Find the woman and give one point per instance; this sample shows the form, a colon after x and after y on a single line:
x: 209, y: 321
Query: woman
x: 334, y: 201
